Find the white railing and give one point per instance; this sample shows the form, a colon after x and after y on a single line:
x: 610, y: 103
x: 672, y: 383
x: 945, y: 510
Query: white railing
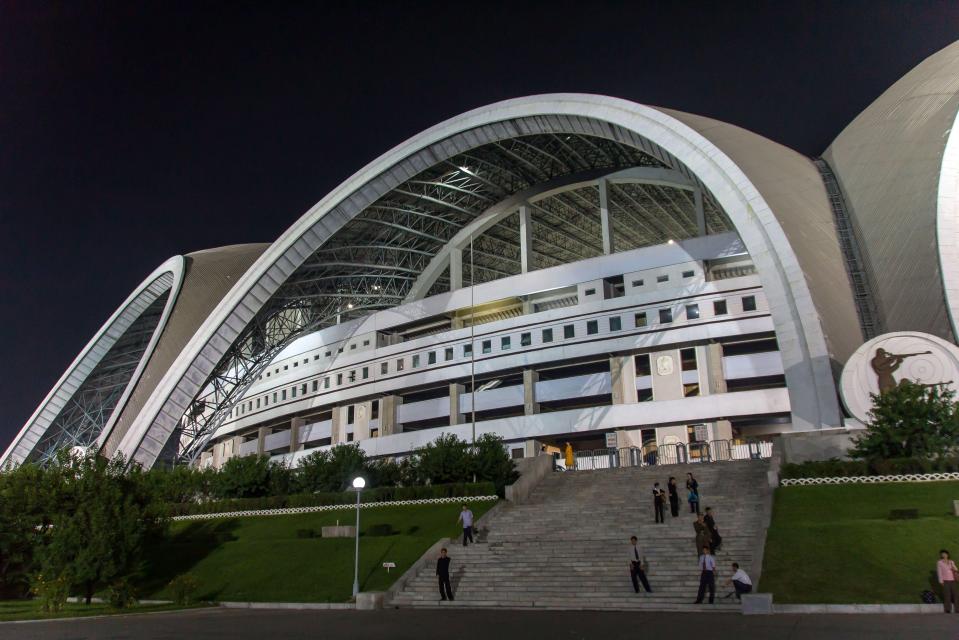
x: 653, y: 455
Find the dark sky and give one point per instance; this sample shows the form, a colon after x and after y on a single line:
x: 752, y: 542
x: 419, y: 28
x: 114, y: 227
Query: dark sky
x: 135, y: 131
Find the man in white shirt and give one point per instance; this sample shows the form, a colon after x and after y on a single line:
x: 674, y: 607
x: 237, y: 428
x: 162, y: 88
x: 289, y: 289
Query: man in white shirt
x: 740, y: 581
x: 636, y: 572
x: 707, y: 576
x: 467, y: 517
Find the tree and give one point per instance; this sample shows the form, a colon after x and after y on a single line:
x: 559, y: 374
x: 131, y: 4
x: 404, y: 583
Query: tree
x: 244, y: 477
x: 910, y: 420
x: 102, y: 515
x: 331, y: 470
x: 22, y: 522
x: 492, y: 463
x: 446, y: 459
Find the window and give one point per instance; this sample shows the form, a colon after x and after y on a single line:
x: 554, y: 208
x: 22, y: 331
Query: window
x: 416, y: 361
x: 283, y: 395
x: 384, y: 368
x: 637, y: 283
x: 399, y: 364
x: 267, y: 374
x: 697, y: 432
x: 525, y: 339
x: 719, y: 307
x: 303, y: 389
x: 296, y: 364
x: 467, y: 350
x: 688, y: 274
x: 316, y: 357
x: 328, y: 354
x: 688, y: 359
x: 366, y: 372
x: 663, y: 278
x: 276, y: 371
x: 326, y: 382
x: 692, y: 312
x: 339, y: 379
x: 431, y: 357
x: 569, y: 331
x: 350, y: 414
x: 375, y: 410
x: 349, y: 437
x: 340, y: 350
x: 749, y: 303
x: 316, y: 386
x: 504, y: 343
x: 448, y: 353
x: 266, y: 401
x: 352, y: 376
x: 640, y: 319
x: 374, y: 433
x: 615, y: 323
x: 642, y: 365
x: 286, y: 367
x: 665, y: 315
x: 547, y: 335
x: 691, y: 390
x: 487, y: 346
x: 366, y: 343
x: 590, y: 292
x: 292, y: 392
x: 592, y: 327
x: 644, y: 395
x: 274, y: 397
x: 352, y: 346
x: 257, y: 403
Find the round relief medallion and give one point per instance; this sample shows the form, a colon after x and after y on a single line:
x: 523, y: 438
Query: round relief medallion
x: 886, y: 360
x: 664, y: 365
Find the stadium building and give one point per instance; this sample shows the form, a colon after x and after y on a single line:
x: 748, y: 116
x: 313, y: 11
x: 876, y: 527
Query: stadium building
x: 556, y: 268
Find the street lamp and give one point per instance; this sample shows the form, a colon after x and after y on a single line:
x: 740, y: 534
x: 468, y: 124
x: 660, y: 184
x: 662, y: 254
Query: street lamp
x: 358, y: 484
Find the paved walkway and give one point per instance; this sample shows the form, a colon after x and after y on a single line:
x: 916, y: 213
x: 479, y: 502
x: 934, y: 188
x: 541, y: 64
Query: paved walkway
x: 501, y: 625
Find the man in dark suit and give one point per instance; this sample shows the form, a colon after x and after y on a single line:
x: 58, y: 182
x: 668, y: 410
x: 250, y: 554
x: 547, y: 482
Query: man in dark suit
x: 636, y: 571
x: 443, y: 573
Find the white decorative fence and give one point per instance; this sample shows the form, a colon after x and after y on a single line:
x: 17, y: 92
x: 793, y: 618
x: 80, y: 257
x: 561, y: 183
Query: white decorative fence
x: 914, y: 477
x: 331, y: 507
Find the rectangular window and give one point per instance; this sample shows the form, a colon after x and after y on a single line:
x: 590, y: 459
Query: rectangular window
x: 286, y: 367
x: 274, y: 397
x: 642, y: 365
x: 349, y: 437
x: 306, y: 361
x: 339, y: 379
x: 615, y: 323
x: 366, y: 372
x: 350, y: 414
x: 569, y: 331
x: 467, y: 351
x: 399, y: 364
x: 328, y: 354
x: 525, y: 339
x: 640, y: 319
x: 375, y: 410
x: 637, y: 283
x: 303, y: 389
x: 448, y: 353
x: 644, y: 395
x: 384, y: 368
x: 340, y: 350
x: 547, y: 335
x: 257, y: 403
x: 592, y: 327
x: 266, y: 401
x: 292, y: 392
x: 431, y: 357
x: 692, y: 312
x: 504, y: 343
x: 316, y: 357
x: 267, y: 374
x: 352, y: 376
x: 326, y: 382
x: 296, y: 364
x: 352, y: 346
x: 487, y: 346
x: 283, y: 395
x: 749, y: 303
x: 366, y: 343
x: 590, y: 292
x: 374, y: 433
x: 416, y: 361
x: 688, y: 359
x: 719, y: 307
x: 688, y: 274
x: 663, y: 278
x: 665, y: 315
x: 316, y: 386
x: 691, y: 390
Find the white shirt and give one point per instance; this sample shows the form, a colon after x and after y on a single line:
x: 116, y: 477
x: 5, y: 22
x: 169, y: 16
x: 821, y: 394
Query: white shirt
x: 634, y: 554
x: 741, y: 576
x: 707, y: 563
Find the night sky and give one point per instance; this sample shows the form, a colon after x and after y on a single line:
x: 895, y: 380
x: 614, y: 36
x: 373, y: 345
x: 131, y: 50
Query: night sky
x: 132, y: 132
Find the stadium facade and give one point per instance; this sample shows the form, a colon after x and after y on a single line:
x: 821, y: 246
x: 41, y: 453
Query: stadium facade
x: 556, y: 268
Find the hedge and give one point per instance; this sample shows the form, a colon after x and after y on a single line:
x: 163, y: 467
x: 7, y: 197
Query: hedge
x: 379, y: 494
x: 835, y: 468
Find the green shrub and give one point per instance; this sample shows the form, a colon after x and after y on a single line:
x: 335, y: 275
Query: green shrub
x: 383, y: 529
x: 835, y: 468
x: 51, y: 592
x: 121, y: 594
x: 305, y: 533
x: 183, y: 589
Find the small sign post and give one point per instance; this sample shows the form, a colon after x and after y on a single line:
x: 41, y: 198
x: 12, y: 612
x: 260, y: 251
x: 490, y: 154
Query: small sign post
x: 389, y: 565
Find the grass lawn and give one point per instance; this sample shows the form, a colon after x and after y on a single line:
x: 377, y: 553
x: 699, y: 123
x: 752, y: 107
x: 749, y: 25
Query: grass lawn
x: 836, y: 544
x: 263, y: 559
x: 30, y: 610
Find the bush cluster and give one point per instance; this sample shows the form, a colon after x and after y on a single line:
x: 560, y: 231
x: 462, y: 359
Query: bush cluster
x: 835, y: 468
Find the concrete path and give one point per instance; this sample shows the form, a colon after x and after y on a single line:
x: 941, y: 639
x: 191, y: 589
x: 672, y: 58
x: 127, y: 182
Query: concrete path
x: 421, y: 624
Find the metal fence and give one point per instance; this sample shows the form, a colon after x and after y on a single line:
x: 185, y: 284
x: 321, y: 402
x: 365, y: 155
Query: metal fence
x: 667, y: 454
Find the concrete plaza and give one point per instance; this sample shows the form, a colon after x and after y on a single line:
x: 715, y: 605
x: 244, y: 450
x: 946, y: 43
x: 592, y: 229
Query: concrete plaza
x: 500, y: 624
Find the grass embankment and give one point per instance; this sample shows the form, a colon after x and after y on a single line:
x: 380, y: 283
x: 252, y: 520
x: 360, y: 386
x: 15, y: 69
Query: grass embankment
x: 836, y: 544
x: 11, y: 610
x: 266, y: 559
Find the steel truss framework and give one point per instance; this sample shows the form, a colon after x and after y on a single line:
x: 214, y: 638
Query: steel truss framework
x: 373, y: 261
x: 85, y: 414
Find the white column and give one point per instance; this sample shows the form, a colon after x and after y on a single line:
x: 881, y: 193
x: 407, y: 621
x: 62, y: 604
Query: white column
x: 525, y: 239
x: 700, y: 214
x: 456, y: 269
x: 605, y: 220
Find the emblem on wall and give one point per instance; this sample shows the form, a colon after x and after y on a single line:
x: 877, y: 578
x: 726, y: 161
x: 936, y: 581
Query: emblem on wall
x: 885, y: 361
x: 664, y: 365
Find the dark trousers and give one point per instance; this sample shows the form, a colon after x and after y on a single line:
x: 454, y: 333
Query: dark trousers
x: 741, y: 587
x: 637, y: 575
x: 445, y: 584
x: 660, y: 509
x: 674, y: 506
x: 707, y: 579
x: 949, y: 602
x: 694, y: 506
x: 467, y: 535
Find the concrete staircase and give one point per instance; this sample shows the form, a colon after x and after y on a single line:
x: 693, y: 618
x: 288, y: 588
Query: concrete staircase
x: 566, y: 547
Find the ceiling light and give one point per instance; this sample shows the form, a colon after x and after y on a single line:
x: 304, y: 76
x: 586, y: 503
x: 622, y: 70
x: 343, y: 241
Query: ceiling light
x: 349, y: 306
x: 670, y: 241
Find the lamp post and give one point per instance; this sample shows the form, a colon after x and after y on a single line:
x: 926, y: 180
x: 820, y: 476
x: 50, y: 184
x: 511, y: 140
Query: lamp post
x: 358, y: 484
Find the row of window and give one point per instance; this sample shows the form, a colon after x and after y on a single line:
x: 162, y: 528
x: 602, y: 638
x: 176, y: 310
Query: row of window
x: 665, y: 316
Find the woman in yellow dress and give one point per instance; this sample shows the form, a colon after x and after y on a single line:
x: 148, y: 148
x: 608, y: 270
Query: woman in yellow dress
x: 569, y: 456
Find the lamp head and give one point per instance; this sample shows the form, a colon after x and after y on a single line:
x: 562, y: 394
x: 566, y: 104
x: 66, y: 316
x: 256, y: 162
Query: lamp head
x: 359, y: 482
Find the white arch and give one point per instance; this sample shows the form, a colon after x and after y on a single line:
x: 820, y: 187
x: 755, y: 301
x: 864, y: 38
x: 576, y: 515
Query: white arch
x: 167, y: 277
x: 947, y: 225
x: 803, y: 346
